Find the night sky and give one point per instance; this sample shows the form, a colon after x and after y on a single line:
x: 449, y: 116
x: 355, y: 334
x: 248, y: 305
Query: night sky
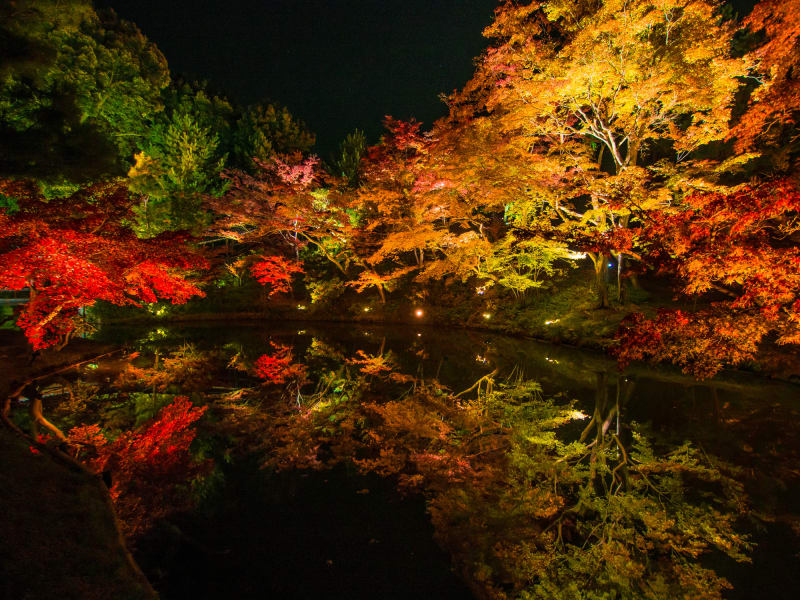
x: 336, y: 64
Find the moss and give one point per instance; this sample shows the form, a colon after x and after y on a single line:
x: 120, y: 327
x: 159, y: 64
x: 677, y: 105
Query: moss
x: 59, y: 537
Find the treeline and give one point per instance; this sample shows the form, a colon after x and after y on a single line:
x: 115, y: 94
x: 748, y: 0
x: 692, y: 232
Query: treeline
x: 655, y: 136
x: 85, y: 97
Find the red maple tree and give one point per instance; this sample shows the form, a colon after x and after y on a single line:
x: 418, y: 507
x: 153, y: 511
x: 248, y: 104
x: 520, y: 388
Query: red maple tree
x: 148, y: 464
x: 74, y: 251
x: 738, y: 253
x: 276, y: 272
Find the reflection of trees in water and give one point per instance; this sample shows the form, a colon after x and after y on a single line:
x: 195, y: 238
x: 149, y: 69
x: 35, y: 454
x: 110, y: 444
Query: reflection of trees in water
x: 533, y: 497
x: 586, y: 514
x: 531, y: 502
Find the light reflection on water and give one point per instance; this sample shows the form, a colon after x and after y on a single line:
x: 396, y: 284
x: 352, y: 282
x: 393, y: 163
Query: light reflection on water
x: 748, y: 421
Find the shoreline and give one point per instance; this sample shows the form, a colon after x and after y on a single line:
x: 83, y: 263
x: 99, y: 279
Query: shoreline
x: 759, y: 370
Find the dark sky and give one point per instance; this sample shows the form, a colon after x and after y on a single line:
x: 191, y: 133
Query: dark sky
x: 337, y: 64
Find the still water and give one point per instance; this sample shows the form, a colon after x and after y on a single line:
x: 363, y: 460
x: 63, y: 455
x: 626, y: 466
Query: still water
x: 404, y: 462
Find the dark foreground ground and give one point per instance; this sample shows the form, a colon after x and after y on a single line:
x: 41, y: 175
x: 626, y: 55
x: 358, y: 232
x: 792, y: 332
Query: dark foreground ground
x: 58, y: 534
x: 58, y: 539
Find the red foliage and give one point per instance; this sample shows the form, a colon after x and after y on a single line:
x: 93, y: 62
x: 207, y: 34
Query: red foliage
x: 277, y: 201
x: 776, y: 103
x: 146, y: 464
x: 401, y: 141
x: 739, y: 247
x: 276, y: 272
x: 701, y: 342
x: 278, y: 367
x: 72, y: 252
x: 285, y: 203
x: 298, y: 176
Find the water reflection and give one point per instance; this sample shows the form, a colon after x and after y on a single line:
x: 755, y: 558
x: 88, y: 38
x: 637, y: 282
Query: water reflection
x: 547, y: 473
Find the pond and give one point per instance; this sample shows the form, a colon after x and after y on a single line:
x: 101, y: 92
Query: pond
x: 360, y: 461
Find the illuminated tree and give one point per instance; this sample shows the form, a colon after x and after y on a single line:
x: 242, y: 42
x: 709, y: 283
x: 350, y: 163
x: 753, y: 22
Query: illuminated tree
x: 276, y: 272
x: 180, y: 164
x: 588, y: 93
x: 72, y: 252
x: 396, y: 221
x: 369, y: 278
x: 773, y: 109
x: 284, y: 206
x: 737, y: 251
x: 180, y: 159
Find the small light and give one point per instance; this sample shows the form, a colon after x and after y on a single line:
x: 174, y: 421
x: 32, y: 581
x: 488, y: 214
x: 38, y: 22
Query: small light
x: 577, y: 415
x: 418, y: 312
x: 301, y: 307
x: 366, y: 309
x: 487, y: 315
x: 551, y: 322
x: 419, y: 335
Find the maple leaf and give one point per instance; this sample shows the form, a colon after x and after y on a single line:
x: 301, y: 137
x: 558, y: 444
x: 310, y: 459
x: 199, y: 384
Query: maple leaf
x: 74, y: 251
x: 276, y: 272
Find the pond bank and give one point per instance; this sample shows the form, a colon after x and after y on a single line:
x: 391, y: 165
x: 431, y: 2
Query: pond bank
x: 774, y: 363
x: 60, y: 535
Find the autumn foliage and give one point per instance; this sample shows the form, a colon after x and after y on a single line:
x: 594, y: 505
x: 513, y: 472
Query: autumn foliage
x: 526, y: 504
x: 72, y: 252
x: 279, y: 366
x: 626, y: 132
x: 735, y: 246
x: 147, y: 465
x: 773, y: 107
x: 275, y: 272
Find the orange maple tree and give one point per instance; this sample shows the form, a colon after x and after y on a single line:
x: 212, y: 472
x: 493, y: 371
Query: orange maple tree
x: 587, y: 111
x: 774, y: 106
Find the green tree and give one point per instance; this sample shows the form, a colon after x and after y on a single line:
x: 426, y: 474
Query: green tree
x: 181, y: 158
x: 347, y: 163
x: 77, y: 93
x: 178, y: 166
x: 265, y: 130
x: 522, y: 264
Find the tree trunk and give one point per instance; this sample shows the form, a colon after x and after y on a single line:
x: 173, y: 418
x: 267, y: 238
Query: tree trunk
x: 600, y: 279
x: 38, y: 418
